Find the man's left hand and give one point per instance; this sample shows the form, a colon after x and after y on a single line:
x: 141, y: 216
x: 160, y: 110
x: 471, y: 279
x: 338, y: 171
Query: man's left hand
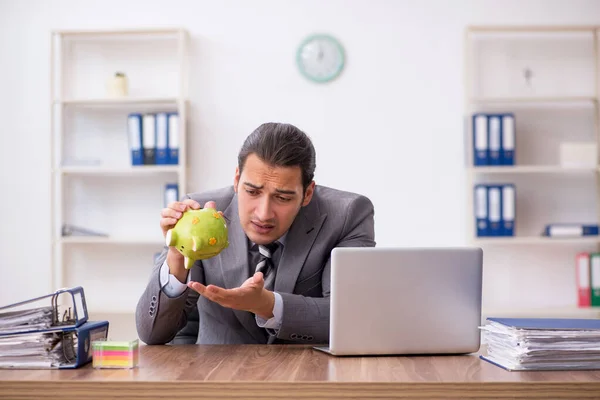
x: 251, y: 296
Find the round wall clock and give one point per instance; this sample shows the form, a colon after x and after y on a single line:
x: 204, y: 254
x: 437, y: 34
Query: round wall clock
x: 320, y: 58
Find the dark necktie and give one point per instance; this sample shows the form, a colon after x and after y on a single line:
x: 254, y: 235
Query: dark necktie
x: 266, y: 264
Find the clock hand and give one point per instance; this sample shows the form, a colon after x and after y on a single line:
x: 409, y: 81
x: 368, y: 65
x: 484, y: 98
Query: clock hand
x: 320, y: 54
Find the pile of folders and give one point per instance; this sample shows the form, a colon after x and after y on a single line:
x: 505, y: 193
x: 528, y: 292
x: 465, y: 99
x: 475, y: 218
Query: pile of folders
x: 50, y: 331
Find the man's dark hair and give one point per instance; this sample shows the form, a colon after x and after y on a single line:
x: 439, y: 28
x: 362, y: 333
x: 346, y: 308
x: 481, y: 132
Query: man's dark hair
x: 281, y: 145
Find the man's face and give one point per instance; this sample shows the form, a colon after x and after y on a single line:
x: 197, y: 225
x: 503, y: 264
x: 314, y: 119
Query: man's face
x: 269, y: 198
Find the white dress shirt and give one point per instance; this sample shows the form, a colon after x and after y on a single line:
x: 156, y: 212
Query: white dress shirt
x: 172, y: 287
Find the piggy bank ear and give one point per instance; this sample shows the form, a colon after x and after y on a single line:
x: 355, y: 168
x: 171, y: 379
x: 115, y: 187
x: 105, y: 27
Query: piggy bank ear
x: 170, y: 237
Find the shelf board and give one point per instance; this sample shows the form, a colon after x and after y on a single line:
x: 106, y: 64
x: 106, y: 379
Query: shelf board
x: 546, y: 312
x: 531, y: 169
x: 110, y: 240
x: 112, y: 171
x: 532, y: 28
x: 120, y: 101
x: 536, y: 100
x: 143, y: 31
x: 520, y: 240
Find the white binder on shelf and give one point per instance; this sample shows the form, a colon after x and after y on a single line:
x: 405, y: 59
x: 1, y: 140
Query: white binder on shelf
x: 480, y: 140
x: 495, y: 210
x: 508, y: 210
x: 495, y: 139
x: 173, y: 141
x: 162, y: 138
x: 481, y: 210
x: 171, y: 193
x: 149, y: 139
x: 134, y: 132
x: 508, y: 139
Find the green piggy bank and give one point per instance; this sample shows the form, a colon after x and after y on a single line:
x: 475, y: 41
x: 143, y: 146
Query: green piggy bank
x: 198, y: 235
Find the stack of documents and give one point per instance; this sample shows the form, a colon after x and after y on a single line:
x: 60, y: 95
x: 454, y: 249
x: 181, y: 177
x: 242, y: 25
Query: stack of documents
x: 542, y: 344
x: 50, y: 331
x: 35, y: 350
x: 32, y: 319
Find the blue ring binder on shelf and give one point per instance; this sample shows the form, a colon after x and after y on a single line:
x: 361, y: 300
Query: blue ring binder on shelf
x: 51, y: 331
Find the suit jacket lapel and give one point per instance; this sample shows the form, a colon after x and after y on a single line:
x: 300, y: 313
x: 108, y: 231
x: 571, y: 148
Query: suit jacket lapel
x: 234, y: 265
x: 298, y: 243
x: 234, y: 259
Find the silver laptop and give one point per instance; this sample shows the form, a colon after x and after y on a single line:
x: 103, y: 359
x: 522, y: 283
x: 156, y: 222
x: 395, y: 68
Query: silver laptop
x: 405, y: 301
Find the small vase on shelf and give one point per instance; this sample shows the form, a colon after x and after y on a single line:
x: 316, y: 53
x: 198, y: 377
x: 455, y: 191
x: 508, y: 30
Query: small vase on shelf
x: 117, y: 85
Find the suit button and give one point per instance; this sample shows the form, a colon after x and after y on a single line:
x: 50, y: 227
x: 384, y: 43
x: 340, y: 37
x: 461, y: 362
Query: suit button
x: 151, y: 313
x: 153, y: 298
x: 293, y: 336
x: 304, y: 337
x: 310, y: 338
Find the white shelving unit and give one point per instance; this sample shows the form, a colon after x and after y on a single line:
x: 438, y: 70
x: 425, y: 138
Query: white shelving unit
x: 547, y: 76
x: 116, y: 171
x: 94, y: 185
x: 531, y: 169
x: 90, y: 102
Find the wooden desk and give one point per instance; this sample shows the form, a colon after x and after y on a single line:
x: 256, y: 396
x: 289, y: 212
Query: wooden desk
x: 291, y: 372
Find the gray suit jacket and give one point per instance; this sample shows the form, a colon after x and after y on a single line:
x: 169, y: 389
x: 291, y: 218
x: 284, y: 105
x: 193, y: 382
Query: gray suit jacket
x: 332, y: 219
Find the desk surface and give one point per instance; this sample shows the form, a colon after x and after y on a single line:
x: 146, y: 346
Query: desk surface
x: 285, y: 371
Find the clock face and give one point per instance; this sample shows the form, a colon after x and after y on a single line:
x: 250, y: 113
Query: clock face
x: 320, y: 58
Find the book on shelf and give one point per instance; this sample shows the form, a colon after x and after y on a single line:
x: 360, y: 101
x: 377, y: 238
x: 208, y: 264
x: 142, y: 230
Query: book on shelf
x: 171, y: 193
x: 495, y: 209
x: 583, y: 279
x: 153, y: 138
x: 587, y: 276
x: 73, y: 230
x: 494, y: 139
x: 566, y: 230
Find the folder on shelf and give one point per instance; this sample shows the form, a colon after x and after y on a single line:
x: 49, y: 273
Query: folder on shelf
x: 149, y: 139
x: 173, y: 141
x: 73, y: 230
x: 171, y: 193
x: 481, y: 210
x: 495, y: 138
x: 508, y: 201
x: 480, y: 140
x: 134, y: 131
x: 542, y: 343
x: 570, y: 230
x: 584, y: 293
x: 508, y: 140
x: 495, y: 210
x: 162, y: 138
x: 595, y: 279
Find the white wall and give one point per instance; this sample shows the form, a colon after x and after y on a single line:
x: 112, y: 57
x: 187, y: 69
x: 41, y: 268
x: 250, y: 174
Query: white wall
x: 397, y: 108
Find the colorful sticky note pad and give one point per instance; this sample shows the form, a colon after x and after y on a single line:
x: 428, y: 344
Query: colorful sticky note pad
x: 115, y: 354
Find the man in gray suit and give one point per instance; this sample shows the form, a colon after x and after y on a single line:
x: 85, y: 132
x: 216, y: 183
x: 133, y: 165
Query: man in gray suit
x: 271, y: 285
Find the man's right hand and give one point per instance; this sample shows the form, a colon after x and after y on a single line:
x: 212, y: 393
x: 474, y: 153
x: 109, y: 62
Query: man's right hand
x: 169, y: 217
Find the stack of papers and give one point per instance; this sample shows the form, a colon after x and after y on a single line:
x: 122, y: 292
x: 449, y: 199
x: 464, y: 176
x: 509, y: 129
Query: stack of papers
x: 26, y: 320
x: 542, y: 343
x: 35, y: 350
x: 50, y: 331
